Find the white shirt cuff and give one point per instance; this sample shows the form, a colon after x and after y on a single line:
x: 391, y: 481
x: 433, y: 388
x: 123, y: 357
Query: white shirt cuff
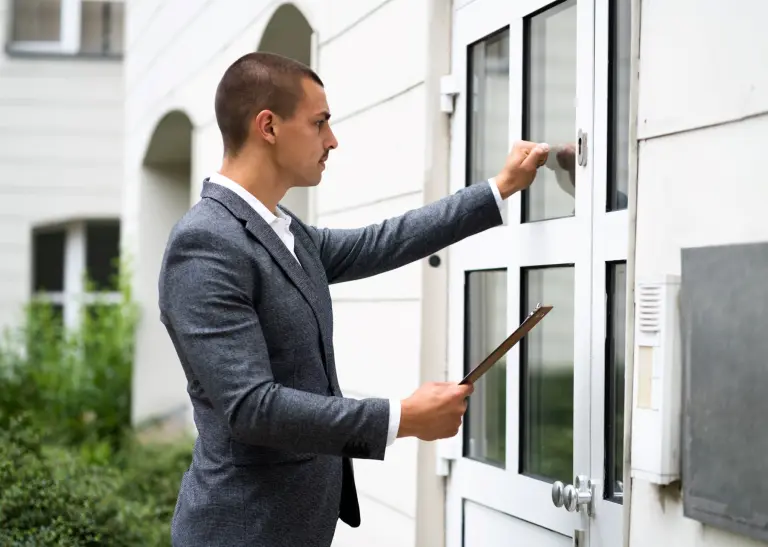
x: 499, y: 201
x: 394, y: 421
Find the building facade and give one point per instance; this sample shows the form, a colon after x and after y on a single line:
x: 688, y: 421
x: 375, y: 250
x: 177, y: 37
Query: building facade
x: 657, y: 126
x: 61, y: 141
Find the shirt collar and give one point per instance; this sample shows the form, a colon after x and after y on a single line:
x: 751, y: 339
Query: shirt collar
x: 250, y: 199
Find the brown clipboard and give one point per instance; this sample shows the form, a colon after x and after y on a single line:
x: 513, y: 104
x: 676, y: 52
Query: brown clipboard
x: 525, y: 327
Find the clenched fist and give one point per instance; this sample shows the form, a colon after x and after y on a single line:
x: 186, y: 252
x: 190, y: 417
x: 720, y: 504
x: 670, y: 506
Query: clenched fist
x: 520, y: 168
x: 434, y: 411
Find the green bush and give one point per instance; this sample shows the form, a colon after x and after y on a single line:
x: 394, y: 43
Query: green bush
x: 71, y: 470
x: 75, y: 382
x: 52, y: 495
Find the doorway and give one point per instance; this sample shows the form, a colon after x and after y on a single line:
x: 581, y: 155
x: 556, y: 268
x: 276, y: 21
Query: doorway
x: 547, y: 421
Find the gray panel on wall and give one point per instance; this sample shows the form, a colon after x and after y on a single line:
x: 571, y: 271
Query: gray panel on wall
x: 724, y: 313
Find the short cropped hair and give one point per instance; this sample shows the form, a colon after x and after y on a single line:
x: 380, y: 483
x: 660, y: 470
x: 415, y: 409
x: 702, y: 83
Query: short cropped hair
x: 255, y: 82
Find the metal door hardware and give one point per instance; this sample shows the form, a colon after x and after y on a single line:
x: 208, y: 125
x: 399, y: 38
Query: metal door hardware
x: 582, y: 148
x: 575, y: 496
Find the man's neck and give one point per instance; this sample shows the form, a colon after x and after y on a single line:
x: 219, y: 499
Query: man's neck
x: 259, y: 179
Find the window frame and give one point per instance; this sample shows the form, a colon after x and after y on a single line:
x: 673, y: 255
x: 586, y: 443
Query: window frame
x: 74, y: 297
x: 70, y: 32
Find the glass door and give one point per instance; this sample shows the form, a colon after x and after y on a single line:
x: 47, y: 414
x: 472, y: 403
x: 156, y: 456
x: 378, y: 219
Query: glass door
x: 529, y: 439
x: 610, y: 242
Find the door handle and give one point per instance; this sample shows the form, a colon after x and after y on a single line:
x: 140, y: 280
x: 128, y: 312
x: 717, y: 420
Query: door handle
x: 575, y: 496
x: 582, y: 148
x: 557, y: 494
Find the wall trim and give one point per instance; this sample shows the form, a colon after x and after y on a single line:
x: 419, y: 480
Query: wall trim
x: 430, y: 488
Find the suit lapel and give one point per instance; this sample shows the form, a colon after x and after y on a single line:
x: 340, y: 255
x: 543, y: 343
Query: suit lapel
x: 300, y: 277
x: 316, y: 272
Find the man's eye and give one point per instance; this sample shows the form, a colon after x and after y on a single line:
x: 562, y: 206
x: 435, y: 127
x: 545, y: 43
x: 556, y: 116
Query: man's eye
x: 320, y: 123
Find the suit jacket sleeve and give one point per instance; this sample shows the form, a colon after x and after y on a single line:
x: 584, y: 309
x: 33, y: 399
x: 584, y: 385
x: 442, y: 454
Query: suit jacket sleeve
x: 206, y: 304
x: 349, y: 254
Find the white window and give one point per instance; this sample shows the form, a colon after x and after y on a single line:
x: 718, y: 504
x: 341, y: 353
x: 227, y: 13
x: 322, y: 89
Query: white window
x: 65, y: 256
x: 67, y: 27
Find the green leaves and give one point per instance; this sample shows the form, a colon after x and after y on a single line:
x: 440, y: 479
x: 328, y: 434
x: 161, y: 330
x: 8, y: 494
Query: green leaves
x: 71, y: 472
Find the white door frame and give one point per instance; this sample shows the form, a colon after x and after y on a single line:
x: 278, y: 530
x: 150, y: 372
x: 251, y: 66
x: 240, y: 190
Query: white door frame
x: 610, y: 243
x: 589, y: 240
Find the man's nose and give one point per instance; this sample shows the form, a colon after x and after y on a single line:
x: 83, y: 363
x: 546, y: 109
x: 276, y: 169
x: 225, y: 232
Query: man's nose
x: 332, y: 142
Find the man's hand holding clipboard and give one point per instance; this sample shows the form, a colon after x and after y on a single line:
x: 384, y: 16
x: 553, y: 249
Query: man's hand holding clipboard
x: 435, y: 410
x: 525, y: 327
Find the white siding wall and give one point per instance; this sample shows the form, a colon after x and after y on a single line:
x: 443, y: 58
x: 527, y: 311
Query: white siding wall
x: 376, y: 92
x: 702, y: 123
x: 178, y: 50
x: 60, y: 153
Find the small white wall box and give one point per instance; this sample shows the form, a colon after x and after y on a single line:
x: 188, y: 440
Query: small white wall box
x: 657, y: 387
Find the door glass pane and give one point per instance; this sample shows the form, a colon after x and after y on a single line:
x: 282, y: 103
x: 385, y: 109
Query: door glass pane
x: 36, y: 20
x: 488, y: 106
x: 615, y: 347
x: 549, y: 110
x: 620, y: 30
x: 547, y: 376
x: 485, y: 328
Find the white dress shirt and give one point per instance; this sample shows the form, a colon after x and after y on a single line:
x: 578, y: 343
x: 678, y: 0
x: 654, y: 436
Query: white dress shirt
x: 281, y: 224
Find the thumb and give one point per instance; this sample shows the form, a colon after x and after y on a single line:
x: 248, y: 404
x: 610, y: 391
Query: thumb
x: 464, y: 390
x: 536, y: 157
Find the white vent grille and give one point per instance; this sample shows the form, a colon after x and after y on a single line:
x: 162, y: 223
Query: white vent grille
x: 649, y: 308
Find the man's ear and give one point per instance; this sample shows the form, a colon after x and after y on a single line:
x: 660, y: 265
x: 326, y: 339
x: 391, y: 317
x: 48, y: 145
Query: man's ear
x: 263, y: 125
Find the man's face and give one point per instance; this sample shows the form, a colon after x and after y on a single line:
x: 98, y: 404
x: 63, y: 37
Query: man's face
x: 303, y: 142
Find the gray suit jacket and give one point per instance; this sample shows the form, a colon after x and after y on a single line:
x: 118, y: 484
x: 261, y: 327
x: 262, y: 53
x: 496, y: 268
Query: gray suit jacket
x: 253, y: 330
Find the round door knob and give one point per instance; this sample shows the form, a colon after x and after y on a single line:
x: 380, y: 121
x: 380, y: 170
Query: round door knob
x: 570, y: 498
x: 557, y: 494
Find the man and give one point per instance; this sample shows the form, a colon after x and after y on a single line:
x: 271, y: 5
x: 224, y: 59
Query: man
x: 244, y: 296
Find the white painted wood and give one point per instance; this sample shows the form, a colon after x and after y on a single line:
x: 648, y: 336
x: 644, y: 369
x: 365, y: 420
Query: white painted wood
x: 55, y: 148
x: 383, y: 526
x: 400, y: 285
x: 380, y: 73
x: 74, y: 266
x: 378, y: 349
x: 403, y: 284
x: 344, y: 15
x: 610, y: 242
x: 367, y: 165
x: 488, y: 528
x: 45, y: 177
x: 393, y: 481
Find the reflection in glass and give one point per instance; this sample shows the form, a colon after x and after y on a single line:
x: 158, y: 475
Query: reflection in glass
x: 620, y: 30
x: 485, y: 328
x: 488, y: 107
x: 614, y: 423
x: 36, y: 20
x: 550, y: 113
x: 547, y: 376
